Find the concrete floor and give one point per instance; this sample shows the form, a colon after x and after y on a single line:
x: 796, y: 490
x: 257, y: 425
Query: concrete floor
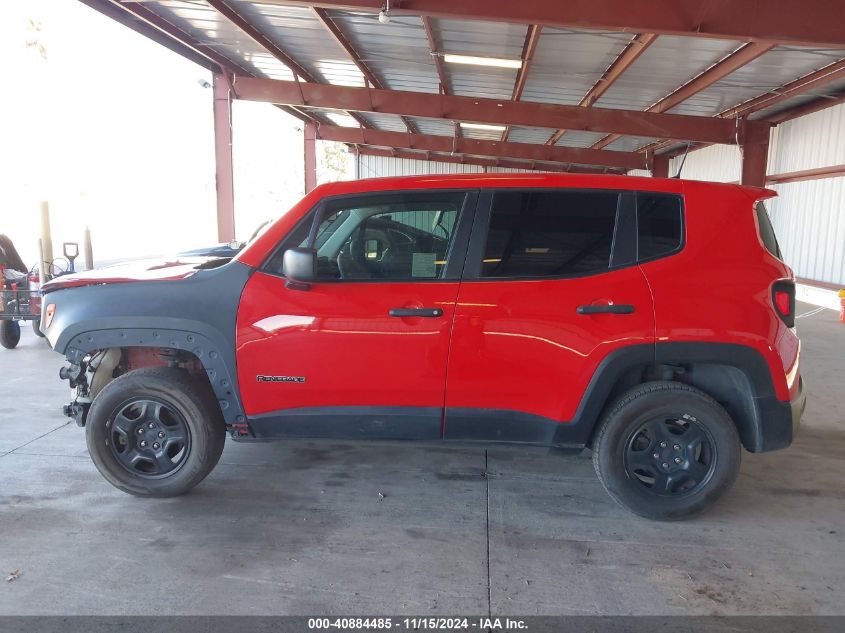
x: 301, y: 528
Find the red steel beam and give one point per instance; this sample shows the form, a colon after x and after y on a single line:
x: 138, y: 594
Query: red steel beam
x: 483, y: 110
x: 342, y: 41
x: 223, y: 170
x: 660, y: 167
x: 479, y: 161
x: 834, y: 171
x: 797, y: 22
x: 807, y: 108
x: 493, y: 149
x: 309, y: 156
x: 755, y: 154
x: 745, y: 54
x: 628, y: 56
x: 532, y: 37
x: 438, y: 61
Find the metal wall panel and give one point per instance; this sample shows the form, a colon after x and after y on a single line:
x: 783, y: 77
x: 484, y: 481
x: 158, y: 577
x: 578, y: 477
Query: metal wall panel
x: 808, y: 216
x: 810, y: 225
x: 717, y: 163
x: 381, y: 166
x: 815, y: 140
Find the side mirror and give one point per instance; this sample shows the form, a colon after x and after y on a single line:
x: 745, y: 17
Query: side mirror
x: 299, y: 266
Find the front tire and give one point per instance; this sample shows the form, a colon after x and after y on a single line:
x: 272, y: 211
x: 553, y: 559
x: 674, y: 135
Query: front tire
x: 155, y: 432
x: 666, y: 451
x: 10, y: 334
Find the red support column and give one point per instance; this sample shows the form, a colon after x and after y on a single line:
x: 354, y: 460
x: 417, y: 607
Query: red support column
x: 310, y: 156
x: 223, y: 160
x: 755, y: 153
x: 660, y: 167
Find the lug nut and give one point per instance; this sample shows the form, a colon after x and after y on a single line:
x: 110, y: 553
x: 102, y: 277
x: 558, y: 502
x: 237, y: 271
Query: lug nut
x: 140, y: 431
x: 677, y: 447
x: 143, y: 443
x: 151, y: 425
x: 665, y: 465
x: 161, y: 433
x: 678, y: 460
x: 656, y: 455
x: 662, y: 444
x: 156, y: 445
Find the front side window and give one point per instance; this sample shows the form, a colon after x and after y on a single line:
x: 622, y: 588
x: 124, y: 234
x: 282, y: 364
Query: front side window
x: 392, y: 238
x: 550, y: 233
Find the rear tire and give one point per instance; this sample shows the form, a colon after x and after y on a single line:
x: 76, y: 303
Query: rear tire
x: 10, y: 334
x: 155, y: 432
x: 666, y: 451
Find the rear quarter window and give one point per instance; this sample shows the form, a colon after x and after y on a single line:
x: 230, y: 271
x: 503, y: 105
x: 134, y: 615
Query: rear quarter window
x: 767, y: 231
x: 659, y: 224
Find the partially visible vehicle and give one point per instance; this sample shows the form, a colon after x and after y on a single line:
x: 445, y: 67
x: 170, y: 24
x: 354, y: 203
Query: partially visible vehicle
x: 229, y: 249
x: 20, y: 297
x: 651, y: 320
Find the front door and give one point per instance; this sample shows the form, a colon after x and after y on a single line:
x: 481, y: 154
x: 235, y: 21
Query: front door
x: 361, y: 353
x: 550, y: 289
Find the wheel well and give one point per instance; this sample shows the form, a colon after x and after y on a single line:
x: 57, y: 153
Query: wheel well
x: 126, y: 359
x: 726, y: 384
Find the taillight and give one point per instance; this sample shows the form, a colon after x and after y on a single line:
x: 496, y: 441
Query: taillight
x: 783, y: 298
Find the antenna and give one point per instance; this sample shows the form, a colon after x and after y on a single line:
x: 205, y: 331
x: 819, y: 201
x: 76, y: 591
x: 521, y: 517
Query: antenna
x: 683, y: 160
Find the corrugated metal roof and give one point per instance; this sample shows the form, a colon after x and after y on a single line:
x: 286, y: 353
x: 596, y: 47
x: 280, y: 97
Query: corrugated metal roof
x: 483, y: 39
x: 568, y: 63
x: 779, y: 66
x: 389, y: 122
x: 298, y: 32
x: 536, y: 135
x: 630, y: 143
x: 206, y: 25
x: 579, y: 139
x: 665, y: 66
x: 565, y: 65
x: 397, y: 52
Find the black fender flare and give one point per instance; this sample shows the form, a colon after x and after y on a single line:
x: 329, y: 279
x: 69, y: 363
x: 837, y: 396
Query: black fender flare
x: 210, y: 353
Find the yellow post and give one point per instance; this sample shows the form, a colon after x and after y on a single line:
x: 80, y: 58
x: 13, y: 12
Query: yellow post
x: 46, y: 239
x: 86, y: 247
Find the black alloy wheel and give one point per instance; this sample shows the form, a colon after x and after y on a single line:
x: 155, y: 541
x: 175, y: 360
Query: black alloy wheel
x: 670, y: 456
x: 149, y: 438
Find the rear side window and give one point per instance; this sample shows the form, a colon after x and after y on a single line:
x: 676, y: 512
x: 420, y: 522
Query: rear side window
x: 549, y: 233
x: 767, y: 231
x: 659, y: 224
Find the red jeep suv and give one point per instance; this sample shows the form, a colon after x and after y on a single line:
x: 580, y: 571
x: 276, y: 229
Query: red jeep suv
x: 650, y: 320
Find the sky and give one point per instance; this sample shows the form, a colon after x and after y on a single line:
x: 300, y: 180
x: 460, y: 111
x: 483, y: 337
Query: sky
x: 116, y: 133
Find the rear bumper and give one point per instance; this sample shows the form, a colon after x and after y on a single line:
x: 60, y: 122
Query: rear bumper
x: 780, y: 420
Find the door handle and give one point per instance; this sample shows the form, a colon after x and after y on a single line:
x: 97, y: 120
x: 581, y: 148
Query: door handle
x: 416, y: 312
x: 610, y: 308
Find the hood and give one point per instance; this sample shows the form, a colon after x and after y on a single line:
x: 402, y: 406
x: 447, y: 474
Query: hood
x: 146, y: 270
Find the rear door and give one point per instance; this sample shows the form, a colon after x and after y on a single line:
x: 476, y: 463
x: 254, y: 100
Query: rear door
x: 551, y: 288
x: 362, y: 352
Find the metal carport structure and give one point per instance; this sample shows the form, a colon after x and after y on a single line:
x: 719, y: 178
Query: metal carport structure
x: 590, y: 85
